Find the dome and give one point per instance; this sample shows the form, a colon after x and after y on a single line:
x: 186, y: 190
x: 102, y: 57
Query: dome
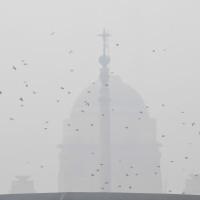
x: 128, y: 113
x: 132, y: 140
x: 123, y: 98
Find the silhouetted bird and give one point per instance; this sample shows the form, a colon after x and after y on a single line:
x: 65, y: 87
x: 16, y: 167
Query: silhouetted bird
x: 163, y: 136
x: 14, y: 68
x: 87, y: 103
x: 21, y: 99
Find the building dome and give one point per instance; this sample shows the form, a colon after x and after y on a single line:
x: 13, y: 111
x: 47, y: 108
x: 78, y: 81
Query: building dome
x: 125, y: 103
x: 122, y: 96
x: 135, y: 157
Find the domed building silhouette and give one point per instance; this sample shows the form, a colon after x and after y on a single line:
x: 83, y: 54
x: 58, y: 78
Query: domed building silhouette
x: 109, y: 141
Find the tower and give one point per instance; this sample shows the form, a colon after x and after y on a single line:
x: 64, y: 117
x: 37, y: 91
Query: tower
x: 104, y: 102
x: 109, y: 140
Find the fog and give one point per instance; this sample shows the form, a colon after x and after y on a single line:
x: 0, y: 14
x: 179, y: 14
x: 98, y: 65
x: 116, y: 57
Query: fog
x: 46, y: 45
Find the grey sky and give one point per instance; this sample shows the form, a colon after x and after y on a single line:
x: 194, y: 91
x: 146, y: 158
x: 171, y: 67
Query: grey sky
x: 157, y: 55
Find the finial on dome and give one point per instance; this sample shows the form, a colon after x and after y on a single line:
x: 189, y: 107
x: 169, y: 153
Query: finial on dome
x: 104, y: 59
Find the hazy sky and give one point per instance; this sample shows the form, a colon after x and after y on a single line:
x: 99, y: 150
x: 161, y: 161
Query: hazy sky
x: 158, y: 55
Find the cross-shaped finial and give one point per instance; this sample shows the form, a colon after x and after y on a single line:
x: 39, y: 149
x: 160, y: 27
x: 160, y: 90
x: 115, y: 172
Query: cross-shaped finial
x: 104, y: 36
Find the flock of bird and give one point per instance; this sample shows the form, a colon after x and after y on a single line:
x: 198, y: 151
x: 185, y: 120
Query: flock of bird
x: 21, y: 100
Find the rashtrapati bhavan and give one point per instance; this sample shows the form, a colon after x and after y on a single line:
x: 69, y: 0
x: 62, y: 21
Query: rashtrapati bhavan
x: 109, y: 141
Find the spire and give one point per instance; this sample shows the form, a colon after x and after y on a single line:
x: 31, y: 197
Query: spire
x: 104, y: 59
x: 104, y: 36
x: 104, y: 102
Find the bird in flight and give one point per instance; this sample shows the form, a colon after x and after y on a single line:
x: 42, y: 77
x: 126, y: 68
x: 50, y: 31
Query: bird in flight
x: 14, y: 68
